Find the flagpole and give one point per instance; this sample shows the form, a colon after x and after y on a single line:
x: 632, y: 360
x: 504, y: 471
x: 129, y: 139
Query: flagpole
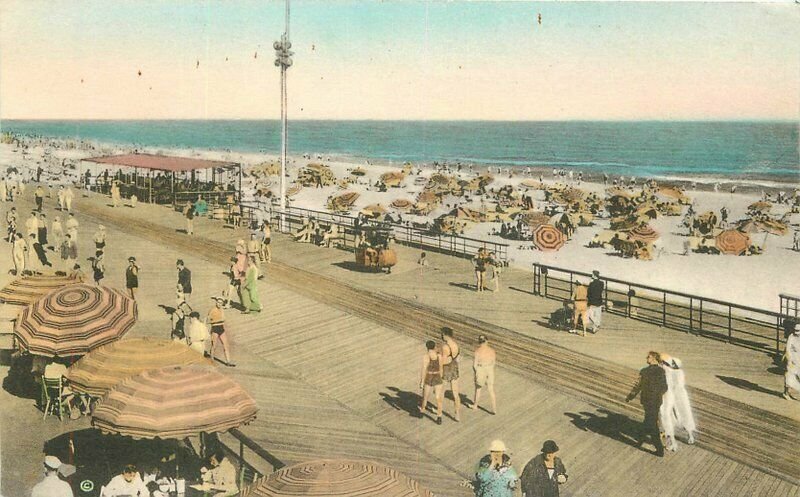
x: 284, y: 61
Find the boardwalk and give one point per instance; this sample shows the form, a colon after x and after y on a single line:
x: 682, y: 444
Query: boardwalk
x: 334, y: 378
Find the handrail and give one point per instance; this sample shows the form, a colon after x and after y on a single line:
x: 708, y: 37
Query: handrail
x: 453, y: 244
x: 691, y: 315
x: 656, y: 289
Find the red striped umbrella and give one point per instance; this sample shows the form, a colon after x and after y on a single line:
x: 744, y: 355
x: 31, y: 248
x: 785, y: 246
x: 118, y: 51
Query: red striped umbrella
x: 644, y: 233
x: 547, y: 238
x: 174, y: 402
x: 732, y: 242
x: 26, y: 290
x: 101, y: 369
x: 330, y: 477
x: 74, y: 319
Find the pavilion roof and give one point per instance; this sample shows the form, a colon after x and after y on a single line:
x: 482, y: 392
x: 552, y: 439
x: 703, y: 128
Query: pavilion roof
x: 160, y: 162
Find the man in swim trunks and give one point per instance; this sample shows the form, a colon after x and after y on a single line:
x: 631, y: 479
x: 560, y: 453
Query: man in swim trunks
x: 483, y: 366
x: 450, y: 353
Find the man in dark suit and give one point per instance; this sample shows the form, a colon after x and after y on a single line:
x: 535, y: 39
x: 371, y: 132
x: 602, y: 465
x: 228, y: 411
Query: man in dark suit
x: 184, y: 279
x: 652, y: 384
x: 595, y: 301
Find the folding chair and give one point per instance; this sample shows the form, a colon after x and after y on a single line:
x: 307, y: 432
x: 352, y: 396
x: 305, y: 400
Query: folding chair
x: 52, y: 397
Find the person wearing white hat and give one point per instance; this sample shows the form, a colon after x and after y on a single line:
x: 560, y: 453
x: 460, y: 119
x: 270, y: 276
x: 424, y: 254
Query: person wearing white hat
x: 52, y: 485
x: 495, y: 476
x: 676, y: 411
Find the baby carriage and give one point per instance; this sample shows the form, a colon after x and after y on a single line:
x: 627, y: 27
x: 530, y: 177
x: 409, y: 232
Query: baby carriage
x: 561, y: 319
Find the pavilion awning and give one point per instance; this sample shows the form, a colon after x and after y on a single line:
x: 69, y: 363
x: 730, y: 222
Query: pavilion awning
x: 161, y: 162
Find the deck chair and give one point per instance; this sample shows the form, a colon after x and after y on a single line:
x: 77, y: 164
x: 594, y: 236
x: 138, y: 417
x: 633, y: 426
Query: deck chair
x: 53, y: 397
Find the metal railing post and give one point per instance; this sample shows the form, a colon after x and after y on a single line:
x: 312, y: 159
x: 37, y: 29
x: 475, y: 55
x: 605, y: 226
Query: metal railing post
x: 628, y: 309
x: 691, y: 315
x: 700, y: 329
x: 664, y: 310
x: 730, y: 331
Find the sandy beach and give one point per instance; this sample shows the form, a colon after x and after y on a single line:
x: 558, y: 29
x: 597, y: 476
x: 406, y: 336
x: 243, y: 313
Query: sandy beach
x: 755, y: 280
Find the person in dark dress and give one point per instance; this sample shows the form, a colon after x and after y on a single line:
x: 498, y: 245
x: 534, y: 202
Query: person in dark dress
x: 184, y: 279
x: 544, y: 473
x: 132, y: 277
x: 42, y: 230
x: 652, y: 385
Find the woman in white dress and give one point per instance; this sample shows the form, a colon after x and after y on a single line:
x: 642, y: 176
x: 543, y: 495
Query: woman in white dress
x: 676, y: 411
x: 791, y: 388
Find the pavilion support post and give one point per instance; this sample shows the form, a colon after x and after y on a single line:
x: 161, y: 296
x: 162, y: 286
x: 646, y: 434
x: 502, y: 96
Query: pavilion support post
x: 241, y: 464
x: 239, y: 192
x: 150, y: 181
x: 172, y: 189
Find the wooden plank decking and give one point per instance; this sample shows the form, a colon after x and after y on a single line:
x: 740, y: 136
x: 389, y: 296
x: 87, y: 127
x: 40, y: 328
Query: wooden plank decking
x: 332, y: 379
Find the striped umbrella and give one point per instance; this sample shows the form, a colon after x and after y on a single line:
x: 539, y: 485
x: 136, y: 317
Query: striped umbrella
x: 101, y: 369
x: 174, y: 402
x: 25, y: 290
x: 330, y: 477
x: 74, y: 319
x: 548, y: 238
x: 644, y: 233
x: 732, y: 242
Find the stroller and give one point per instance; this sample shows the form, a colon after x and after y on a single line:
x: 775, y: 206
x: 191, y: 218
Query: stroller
x: 561, y: 319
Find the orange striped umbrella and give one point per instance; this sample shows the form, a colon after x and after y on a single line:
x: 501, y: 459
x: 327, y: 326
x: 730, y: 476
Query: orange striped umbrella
x: 732, y: 242
x: 331, y: 477
x: 74, y: 319
x: 101, y: 369
x: 174, y: 402
x: 548, y: 238
x: 26, y: 290
x: 644, y: 233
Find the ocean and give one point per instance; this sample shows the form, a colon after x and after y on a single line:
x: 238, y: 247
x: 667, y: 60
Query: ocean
x: 726, y: 150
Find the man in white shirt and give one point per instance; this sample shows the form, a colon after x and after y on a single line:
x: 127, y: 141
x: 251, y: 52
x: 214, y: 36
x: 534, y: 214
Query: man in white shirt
x: 221, y: 477
x: 52, y: 485
x: 127, y: 484
x: 197, y: 333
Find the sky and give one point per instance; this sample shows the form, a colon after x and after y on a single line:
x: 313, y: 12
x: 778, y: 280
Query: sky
x: 399, y: 60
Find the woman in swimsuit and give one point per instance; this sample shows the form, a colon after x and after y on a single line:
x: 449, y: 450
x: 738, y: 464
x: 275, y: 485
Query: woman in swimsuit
x: 431, y: 377
x: 450, y: 353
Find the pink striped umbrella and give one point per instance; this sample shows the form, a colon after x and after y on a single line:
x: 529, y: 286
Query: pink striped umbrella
x: 74, y: 319
x: 104, y: 367
x: 331, y: 477
x: 174, y: 402
x: 27, y: 289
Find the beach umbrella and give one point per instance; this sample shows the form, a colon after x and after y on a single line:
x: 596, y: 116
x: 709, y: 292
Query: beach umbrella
x: 772, y: 226
x: 401, y: 204
x: 294, y: 190
x: 548, y: 238
x: 27, y: 289
x: 392, y: 178
x: 644, y: 233
x: 374, y: 210
x: 101, y: 369
x: 675, y: 193
x: 174, y: 402
x: 534, y: 219
x: 732, y: 242
x: 530, y: 183
x: 333, y: 477
x: 342, y: 202
x: 74, y: 319
x: 760, y: 206
x: 358, y: 172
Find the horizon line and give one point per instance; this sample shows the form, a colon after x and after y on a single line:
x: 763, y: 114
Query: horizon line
x: 652, y: 120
